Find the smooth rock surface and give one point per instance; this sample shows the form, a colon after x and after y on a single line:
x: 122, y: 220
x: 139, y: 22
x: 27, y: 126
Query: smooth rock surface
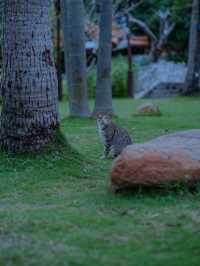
x: 168, y: 159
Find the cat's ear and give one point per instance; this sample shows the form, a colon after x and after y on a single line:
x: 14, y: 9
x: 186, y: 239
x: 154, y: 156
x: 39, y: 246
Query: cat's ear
x: 99, y: 116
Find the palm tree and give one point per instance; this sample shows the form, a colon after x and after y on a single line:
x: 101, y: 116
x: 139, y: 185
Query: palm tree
x: 192, y: 81
x: 29, y: 115
x: 75, y: 56
x: 103, y: 96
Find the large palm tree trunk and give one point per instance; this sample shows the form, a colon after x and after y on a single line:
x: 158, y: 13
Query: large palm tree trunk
x: 29, y: 84
x: 192, y: 77
x: 103, y: 96
x: 75, y: 57
x: 1, y: 16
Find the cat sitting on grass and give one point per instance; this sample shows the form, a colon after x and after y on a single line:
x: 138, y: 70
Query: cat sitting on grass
x: 115, y: 139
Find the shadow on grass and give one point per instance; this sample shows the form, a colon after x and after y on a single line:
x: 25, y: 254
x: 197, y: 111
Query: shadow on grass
x: 60, y: 144
x: 58, y: 157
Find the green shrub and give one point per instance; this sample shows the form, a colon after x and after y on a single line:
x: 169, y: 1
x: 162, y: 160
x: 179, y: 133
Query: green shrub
x: 91, y: 80
x: 65, y: 89
x: 119, y: 78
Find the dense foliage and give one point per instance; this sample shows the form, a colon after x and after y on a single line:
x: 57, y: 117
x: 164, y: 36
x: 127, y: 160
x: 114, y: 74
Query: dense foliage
x: 181, y: 14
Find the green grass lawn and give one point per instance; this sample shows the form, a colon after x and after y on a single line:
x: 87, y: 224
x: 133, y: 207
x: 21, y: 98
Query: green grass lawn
x: 58, y: 209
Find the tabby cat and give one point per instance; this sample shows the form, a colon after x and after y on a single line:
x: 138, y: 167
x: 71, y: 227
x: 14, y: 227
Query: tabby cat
x: 115, y: 139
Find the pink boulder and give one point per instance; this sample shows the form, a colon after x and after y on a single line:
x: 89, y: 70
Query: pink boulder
x: 167, y: 159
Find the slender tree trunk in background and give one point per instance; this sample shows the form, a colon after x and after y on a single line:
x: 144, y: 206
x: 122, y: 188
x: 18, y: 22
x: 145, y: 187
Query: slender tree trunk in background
x: 64, y: 18
x: 29, y: 115
x: 58, y: 50
x: 192, y: 78
x: 75, y: 57
x: 103, y: 96
x: 130, y: 79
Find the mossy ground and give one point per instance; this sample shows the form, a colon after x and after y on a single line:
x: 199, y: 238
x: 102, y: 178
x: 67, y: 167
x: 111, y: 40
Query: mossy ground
x: 57, y: 208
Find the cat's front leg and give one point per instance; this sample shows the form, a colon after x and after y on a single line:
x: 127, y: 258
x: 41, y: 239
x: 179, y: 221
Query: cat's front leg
x: 106, y: 151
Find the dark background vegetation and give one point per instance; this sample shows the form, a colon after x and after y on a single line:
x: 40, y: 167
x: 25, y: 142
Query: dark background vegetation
x: 181, y: 14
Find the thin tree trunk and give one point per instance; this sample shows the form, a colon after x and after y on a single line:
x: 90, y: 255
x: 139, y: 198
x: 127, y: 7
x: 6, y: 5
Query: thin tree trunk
x: 64, y: 18
x: 192, y: 78
x: 29, y: 115
x: 103, y: 96
x: 75, y: 57
x: 130, y: 79
x: 58, y: 50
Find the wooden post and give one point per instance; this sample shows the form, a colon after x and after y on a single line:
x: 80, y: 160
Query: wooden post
x: 58, y: 51
x: 130, y: 78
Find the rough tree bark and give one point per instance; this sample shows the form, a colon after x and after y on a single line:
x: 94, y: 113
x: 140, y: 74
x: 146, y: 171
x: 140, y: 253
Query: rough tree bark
x: 103, y: 96
x: 192, y: 81
x: 75, y: 57
x: 29, y: 115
